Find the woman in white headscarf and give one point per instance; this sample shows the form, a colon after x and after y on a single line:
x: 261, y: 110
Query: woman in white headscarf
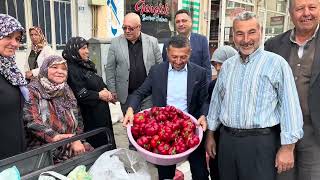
x: 38, y: 52
x: 12, y: 89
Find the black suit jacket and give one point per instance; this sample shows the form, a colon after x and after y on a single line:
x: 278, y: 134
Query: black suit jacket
x: 156, y: 85
x: 200, y: 54
x: 281, y: 45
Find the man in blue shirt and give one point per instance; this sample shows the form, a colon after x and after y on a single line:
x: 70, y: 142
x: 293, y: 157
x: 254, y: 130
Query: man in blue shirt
x: 256, y: 101
x: 199, y: 44
x: 182, y: 84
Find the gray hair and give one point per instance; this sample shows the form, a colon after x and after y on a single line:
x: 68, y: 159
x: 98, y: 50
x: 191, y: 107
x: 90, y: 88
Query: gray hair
x: 246, y: 15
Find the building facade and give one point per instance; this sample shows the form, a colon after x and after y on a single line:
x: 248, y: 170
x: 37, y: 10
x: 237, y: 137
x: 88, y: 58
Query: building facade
x: 62, y: 19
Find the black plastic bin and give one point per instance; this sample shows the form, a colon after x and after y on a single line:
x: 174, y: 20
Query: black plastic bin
x: 32, y: 163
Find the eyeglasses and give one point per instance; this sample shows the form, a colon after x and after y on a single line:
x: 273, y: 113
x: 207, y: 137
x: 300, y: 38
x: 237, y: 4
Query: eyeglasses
x: 129, y: 28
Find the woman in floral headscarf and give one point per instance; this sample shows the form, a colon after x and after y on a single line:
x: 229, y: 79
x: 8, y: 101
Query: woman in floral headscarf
x: 39, y: 50
x: 12, y: 88
x: 52, y: 113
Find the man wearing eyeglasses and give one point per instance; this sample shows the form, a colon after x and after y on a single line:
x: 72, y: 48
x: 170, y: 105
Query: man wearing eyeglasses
x: 199, y: 44
x: 130, y: 57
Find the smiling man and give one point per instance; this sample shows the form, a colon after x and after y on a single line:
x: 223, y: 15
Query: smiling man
x: 181, y: 84
x: 199, y: 43
x: 129, y: 60
x: 256, y: 102
x: 300, y: 46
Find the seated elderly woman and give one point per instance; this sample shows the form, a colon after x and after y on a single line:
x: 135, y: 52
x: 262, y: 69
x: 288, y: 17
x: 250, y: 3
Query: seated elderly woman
x: 51, y: 113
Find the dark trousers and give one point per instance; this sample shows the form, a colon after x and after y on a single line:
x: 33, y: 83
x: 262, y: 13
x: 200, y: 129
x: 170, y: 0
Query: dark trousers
x: 307, y: 157
x: 213, y: 163
x: 198, y: 166
x: 249, y: 157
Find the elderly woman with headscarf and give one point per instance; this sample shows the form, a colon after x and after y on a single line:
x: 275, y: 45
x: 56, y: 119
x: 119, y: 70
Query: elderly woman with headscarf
x: 52, y: 113
x: 218, y: 57
x: 39, y: 50
x: 89, y: 89
x: 12, y: 88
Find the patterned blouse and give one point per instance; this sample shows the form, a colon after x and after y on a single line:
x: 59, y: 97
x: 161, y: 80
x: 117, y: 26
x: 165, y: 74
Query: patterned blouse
x: 42, y: 122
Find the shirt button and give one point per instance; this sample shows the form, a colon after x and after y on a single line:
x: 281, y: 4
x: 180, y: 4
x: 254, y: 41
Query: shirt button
x: 298, y: 65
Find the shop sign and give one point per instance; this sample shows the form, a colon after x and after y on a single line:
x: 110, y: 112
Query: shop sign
x: 276, y: 20
x: 150, y: 12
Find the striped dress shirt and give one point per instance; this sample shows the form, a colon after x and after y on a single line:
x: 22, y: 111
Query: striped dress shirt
x: 258, y: 93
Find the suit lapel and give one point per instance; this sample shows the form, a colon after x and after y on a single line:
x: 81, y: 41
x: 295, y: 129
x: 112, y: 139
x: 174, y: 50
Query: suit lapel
x: 125, y: 51
x: 190, y: 84
x: 145, y: 48
x: 316, y: 61
x: 192, y: 38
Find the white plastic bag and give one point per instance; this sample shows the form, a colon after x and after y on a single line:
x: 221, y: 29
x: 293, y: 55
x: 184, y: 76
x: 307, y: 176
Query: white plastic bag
x: 51, y: 175
x: 116, y: 112
x: 120, y: 164
x: 10, y: 173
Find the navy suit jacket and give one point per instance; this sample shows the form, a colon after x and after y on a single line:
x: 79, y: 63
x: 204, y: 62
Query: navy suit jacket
x: 281, y: 45
x: 200, y: 54
x: 156, y: 85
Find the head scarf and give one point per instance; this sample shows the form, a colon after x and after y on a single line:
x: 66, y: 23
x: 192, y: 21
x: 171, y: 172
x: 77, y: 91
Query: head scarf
x: 60, y: 94
x: 71, y: 53
x: 223, y: 53
x: 43, y: 40
x: 8, y: 67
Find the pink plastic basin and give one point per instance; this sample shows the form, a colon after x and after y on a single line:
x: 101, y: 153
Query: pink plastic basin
x: 165, y: 160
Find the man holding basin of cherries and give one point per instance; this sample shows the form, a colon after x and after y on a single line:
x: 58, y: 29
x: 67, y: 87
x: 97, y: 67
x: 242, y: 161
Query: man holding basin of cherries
x: 181, y: 84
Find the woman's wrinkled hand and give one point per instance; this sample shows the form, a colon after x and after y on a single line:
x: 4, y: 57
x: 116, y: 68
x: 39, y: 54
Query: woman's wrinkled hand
x: 77, y: 148
x: 105, y: 95
x: 60, y: 137
x: 29, y: 74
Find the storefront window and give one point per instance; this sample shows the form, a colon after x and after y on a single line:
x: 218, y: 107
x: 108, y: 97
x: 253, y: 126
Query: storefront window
x: 157, y: 16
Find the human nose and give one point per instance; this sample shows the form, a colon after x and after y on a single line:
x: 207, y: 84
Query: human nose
x: 245, y: 38
x: 15, y: 42
x: 306, y: 11
x: 87, y: 51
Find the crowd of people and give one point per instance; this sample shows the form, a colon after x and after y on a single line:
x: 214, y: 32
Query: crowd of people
x: 260, y: 115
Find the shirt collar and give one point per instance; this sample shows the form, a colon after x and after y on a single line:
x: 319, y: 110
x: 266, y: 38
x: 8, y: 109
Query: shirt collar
x: 293, y: 39
x: 183, y: 69
x: 251, y: 57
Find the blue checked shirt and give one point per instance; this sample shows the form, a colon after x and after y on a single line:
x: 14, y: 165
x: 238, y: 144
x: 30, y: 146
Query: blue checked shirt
x: 257, y: 93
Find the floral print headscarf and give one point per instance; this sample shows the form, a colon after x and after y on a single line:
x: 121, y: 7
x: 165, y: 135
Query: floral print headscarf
x: 8, y: 67
x: 43, y: 41
x: 60, y: 94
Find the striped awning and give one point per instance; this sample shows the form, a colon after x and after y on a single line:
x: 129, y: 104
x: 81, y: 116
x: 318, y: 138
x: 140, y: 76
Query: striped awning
x: 194, y: 7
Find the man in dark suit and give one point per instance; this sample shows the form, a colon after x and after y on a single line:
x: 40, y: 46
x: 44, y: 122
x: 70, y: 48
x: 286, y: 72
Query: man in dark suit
x: 181, y: 84
x: 199, y: 44
x: 301, y: 48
